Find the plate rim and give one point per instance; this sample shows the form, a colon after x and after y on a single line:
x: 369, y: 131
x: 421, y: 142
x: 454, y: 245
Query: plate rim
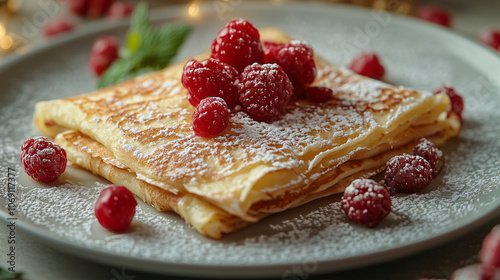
x: 234, y: 271
x: 227, y: 270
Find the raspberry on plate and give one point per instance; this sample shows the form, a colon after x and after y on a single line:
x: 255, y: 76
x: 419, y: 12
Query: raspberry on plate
x: 319, y: 94
x: 210, y: 117
x: 91, y: 8
x: 431, y: 153
x: 491, y: 37
x: 115, y: 208
x: 43, y: 160
x: 265, y: 91
x: 490, y: 250
x: 366, y: 202
x: 297, y: 60
x: 435, y: 14
x: 120, y: 10
x: 408, y: 173
x: 57, y: 26
x: 238, y: 44
x: 368, y: 64
x: 210, y: 78
x: 271, y: 50
x: 78, y: 7
x: 457, y: 103
x: 98, y: 8
x: 104, y: 52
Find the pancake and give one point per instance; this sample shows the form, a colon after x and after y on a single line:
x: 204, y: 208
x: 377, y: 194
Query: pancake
x: 141, y: 129
x: 201, y: 215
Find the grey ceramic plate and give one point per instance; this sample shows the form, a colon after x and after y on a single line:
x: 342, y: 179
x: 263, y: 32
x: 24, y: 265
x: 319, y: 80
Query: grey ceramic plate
x: 311, y: 239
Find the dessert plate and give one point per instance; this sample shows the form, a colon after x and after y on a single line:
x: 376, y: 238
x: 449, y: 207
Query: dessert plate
x: 314, y: 238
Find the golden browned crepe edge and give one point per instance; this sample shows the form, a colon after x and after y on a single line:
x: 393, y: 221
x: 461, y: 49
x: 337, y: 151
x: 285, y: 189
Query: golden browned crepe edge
x: 203, y: 216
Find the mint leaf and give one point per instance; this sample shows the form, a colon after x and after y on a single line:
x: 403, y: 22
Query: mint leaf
x: 139, y: 21
x: 121, y: 70
x: 134, y: 41
x: 162, y: 45
x: 139, y: 26
x: 5, y: 274
x: 147, y: 48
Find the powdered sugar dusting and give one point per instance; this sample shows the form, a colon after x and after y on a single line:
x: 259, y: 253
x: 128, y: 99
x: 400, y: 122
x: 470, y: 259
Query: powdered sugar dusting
x: 467, y: 186
x: 154, y: 130
x: 465, y: 190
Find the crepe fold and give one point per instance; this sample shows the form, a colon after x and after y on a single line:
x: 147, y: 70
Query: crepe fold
x: 138, y: 134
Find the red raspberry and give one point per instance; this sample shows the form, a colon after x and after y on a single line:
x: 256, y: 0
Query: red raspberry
x: 490, y: 37
x: 210, y: 117
x: 210, y: 78
x: 408, y: 173
x: 297, y: 60
x: 319, y: 94
x: 476, y: 272
x: 435, y: 14
x: 238, y: 44
x: 104, y: 52
x: 115, y: 208
x: 79, y: 7
x: 265, y: 91
x: 490, y: 250
x: 431, y: 153
x: 43, y: 160
x: 300, y: 91
x: 271, y: 51
x: 98, y: 8
x: 120, y: 10
x: 57, y: 26
x: 368, y: 64
x: 366, y: 202
x: 457, y: 103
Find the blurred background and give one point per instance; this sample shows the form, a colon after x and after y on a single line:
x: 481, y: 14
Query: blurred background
x: 24, y: 24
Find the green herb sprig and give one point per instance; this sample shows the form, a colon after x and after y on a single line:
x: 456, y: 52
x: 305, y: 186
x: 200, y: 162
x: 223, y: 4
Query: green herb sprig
x: 146, y: 48
x: 5, y: 274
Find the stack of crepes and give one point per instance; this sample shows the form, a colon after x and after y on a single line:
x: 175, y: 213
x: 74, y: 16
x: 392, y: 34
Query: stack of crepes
x: 138, y: 134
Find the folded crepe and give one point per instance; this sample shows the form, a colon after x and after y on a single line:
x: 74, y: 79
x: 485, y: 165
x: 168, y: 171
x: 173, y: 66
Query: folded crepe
x: 138, y: 134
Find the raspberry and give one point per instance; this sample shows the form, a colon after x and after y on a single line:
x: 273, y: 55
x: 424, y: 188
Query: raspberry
x: 271, y: 50
x: 120, y: 10
x: 210, y: 117
x: 238, y: 44
x: 296, y: 59
x: 210, y: 78
x: 390, y: 189
x: 368, y: 64
x: 408, y: 173
x: 43, y: 160
x: 366, y: 202
x: 265, y: 91
x: 319, y: 94
x: 79, y: 7
x: 431, y: 153
x: 300, y: 91
x: 490, y: 250
x: 490, y: 37
x: 104, y: 52
x: 457, y: 103
x: 57, y: 26
x: 435, y: 14
x: 476, y: 272
x: 98, y: 8
x: 115, y: 208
